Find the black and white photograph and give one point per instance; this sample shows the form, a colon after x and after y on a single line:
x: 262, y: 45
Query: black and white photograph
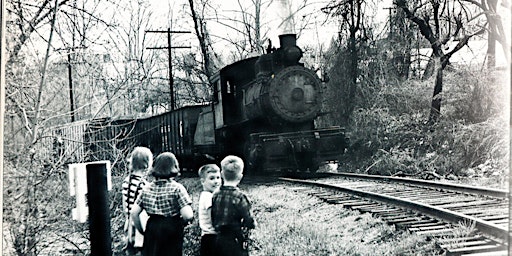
x: 255, y: 127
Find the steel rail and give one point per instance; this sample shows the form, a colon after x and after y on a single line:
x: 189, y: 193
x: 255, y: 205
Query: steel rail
x: 441, y: 185
x: 433, y: 211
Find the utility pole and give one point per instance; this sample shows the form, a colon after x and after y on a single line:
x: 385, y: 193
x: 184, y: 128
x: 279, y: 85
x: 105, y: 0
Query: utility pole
x: 390, y: 9
x: 71, y: 59
x: 71, y: 97
x: 70, y: 67
x: 169, y: 48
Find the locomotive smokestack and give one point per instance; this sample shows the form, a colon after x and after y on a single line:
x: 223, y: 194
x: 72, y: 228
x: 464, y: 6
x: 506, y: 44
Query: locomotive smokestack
x: 291, y: 53
x: 287, y: 40
x: 285, y: 12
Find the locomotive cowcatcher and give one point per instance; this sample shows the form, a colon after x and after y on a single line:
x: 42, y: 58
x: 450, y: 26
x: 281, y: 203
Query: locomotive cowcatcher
x: 263, y: 110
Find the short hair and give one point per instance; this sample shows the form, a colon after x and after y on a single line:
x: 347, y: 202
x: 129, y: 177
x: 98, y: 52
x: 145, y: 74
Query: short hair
x: 232, y: 167
x: 163, y: 166
x: 141, y: 158
x: 207, y: 168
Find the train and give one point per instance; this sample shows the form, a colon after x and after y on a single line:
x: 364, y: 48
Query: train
x: 263, y: 109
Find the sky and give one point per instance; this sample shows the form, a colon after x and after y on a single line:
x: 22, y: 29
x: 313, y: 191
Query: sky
x: 273, y: 14
x: 317, y: 34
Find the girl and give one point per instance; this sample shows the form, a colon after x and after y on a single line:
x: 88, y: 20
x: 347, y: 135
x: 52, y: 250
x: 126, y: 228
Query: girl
x: 168, y: 205
x: 139, y: 162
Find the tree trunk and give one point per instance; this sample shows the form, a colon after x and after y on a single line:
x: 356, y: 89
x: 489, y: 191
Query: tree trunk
x: 352, y: 73
x: 435, y: 108
x: 491, y: 38
x: 199, y: 27
x: 429, y: 69
x: 491, y: 51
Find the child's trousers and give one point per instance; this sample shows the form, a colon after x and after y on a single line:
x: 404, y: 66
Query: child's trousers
x: 208, y: 245
x: 230, y: 245
x: 163, y: 236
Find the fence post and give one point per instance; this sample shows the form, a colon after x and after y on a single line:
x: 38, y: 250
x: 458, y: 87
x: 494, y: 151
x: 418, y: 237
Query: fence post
x: 99, y: 213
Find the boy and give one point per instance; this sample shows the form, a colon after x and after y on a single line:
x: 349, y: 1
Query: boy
x: 210, y: 179
x: 138, y: 163
x: 231, y: 210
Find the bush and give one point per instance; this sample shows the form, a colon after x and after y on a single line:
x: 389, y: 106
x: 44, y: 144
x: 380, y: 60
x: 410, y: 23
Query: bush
x: 390, y: 136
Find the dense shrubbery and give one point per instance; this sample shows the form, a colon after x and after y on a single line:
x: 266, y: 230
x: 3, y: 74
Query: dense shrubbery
x: 389, y: 133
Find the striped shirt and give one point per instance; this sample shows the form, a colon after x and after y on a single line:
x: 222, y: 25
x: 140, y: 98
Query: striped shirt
x: 164, y: 197
x: 132, y: 185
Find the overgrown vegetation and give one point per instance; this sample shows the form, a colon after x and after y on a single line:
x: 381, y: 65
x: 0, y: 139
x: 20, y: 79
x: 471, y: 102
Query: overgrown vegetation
x: 291, y: 223
x: 395, y: 124
x: 390, y: 135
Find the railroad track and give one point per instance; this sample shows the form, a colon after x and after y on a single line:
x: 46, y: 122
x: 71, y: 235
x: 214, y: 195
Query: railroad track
x: 464, y: 220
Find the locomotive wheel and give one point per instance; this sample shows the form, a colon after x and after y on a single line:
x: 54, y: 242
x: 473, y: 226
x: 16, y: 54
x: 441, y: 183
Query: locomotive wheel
x: 306, y: 162
x: 253, y: 165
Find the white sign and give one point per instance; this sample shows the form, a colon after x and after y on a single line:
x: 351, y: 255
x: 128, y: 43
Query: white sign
x: 77, y: 174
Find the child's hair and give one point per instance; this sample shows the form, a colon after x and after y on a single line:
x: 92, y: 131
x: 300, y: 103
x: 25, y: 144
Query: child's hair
x: 141, y: 158
x: 163, y: 166
x: 207, y: 168
x: 232, y: 167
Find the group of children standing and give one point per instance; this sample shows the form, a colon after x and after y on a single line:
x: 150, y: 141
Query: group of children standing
x: 163, y: 206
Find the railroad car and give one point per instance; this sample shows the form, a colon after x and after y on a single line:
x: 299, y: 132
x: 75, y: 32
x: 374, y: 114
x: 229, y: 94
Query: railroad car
x: 263, y: 109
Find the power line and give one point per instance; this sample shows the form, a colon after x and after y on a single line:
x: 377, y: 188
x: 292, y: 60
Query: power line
x: 169, y: 47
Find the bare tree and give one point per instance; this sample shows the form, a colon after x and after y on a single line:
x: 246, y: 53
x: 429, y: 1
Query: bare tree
x: 209, y: 60
x: 25, y: 229
x: 36, y: 87
x: 246, y: 25
x: 203, y: 37
x: 495, y: 29
x: 352, y: 25
x: 441, y: 22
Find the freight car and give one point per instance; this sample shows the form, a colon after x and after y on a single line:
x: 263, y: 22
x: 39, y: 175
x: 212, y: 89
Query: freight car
x: 263, y: 109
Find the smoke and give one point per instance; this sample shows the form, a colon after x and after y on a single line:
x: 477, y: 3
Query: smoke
x: 285, y: 13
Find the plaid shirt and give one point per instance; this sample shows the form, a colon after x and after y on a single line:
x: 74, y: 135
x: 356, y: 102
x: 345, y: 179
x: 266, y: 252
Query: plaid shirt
x: 163, y: 197
x: 231, y: 210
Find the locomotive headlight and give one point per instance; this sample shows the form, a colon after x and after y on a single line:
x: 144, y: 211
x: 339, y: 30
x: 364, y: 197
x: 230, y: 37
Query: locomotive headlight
x: 297, y: 94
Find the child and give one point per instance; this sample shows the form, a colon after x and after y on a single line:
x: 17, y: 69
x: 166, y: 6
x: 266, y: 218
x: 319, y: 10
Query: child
x: 168, y: 205
x: 210, y: 179
x: 138, y: 163
x: 231, y: 210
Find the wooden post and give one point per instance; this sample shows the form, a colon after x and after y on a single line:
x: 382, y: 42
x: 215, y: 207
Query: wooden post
x: 99, y: 213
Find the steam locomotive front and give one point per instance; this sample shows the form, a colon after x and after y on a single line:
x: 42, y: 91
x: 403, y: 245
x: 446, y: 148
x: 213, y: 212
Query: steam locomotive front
x: 269, y: 104
x: 294, y: 94
x: 284, y: 91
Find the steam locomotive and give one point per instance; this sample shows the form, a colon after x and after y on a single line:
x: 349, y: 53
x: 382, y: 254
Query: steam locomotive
x: 263, y: 110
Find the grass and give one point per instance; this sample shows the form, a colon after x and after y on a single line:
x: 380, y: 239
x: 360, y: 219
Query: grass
x: 461, y: 230
x: 290, y: 222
